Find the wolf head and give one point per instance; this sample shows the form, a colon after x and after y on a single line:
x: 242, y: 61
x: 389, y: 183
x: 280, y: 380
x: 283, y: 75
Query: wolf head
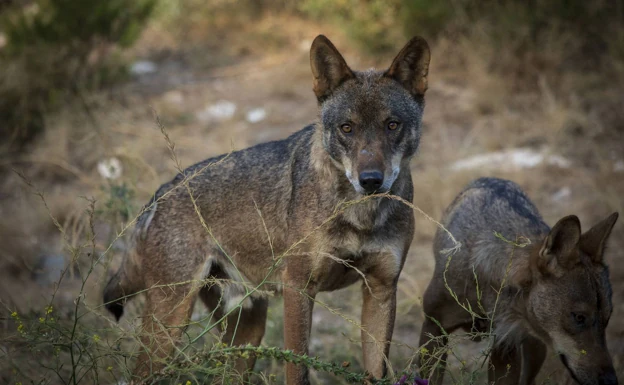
x: 371, y: 120
x: 570, y: 298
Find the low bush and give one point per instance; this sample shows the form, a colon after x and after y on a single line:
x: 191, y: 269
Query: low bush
x: 55, y: 50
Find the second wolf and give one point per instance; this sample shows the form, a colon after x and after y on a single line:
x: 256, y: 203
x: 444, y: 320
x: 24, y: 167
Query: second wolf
x: 270, y: 218
x: 535, y: 285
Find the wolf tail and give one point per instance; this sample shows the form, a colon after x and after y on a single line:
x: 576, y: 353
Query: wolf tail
x: 123, y: 285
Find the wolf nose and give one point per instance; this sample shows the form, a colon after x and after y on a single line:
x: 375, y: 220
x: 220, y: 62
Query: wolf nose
x: 371, y: 181
x: 608, y: 377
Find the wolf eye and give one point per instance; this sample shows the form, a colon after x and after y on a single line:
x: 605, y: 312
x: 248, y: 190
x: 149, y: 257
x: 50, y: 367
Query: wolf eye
x: 393, y: 126
x: 346, y: 128
x: 579, y: 318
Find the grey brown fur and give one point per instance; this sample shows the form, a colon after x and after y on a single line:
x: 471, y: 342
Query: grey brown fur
x: 556, y: 289
x: 259, y: 202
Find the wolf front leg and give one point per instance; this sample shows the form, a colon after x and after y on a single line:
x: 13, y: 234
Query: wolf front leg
x: 298, y: 304
x: 505, y: 366
x: 533, y: 356
x: 378, y: 314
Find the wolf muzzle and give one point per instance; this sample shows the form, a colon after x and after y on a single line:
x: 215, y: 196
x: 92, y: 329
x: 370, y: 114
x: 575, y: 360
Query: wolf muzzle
x: 371, y: 180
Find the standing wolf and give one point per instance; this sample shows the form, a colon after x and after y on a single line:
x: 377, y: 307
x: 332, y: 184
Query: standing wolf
x: 555, y: 287
x: 257, y: 218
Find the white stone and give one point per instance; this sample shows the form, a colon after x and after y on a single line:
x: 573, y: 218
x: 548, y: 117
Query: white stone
x: 143, y: 67
x: 221, y: 110
x: 561, y: 194
x: 515, y: 158
x: 256, y: 115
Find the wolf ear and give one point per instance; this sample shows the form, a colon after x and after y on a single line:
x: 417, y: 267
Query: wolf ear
x: 561, y: 246
x: 328, y: 67
x: 594, y: 240
x: 411, y: 66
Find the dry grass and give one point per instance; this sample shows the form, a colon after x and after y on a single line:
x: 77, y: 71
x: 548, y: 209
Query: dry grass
x: 470, y: 110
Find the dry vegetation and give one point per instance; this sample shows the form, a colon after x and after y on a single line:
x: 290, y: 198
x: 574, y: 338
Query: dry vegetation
x: 58, y: 212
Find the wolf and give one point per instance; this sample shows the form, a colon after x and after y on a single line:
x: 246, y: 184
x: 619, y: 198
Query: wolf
x: 529, y: 285
x: 317, y: 211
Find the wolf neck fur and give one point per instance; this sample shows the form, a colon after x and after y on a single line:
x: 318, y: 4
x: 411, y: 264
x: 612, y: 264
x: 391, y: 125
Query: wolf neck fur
x: 514, y: 320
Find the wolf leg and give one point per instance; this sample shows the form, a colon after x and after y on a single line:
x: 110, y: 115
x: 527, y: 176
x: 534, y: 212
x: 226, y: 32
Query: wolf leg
x: 442, y: 317
x: 432, y: 357
x: 245, y: 324
x: 378, y: 315
x: 166, y: 315
x: 299, y: 296
x: 505, y: 366
x: 533, y: 356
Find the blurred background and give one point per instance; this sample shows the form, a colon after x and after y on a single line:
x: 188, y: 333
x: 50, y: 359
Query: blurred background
x: 530, y: 90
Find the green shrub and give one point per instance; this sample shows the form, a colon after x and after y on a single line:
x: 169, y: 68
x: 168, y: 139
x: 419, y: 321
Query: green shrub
x: 57, y: 48
x: 373, y: 24
x: 379, y: 25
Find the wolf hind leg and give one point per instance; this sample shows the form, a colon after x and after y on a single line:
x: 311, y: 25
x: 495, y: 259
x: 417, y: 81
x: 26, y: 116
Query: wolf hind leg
x: 244, y: 325
x: 172, y: 281
x: 442, y: 317
x: 166, y: 314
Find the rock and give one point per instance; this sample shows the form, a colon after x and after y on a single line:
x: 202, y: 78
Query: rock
x: 256, y: 115
x: 562, y: 194
x: 143, y: 67
x: 219, y: 111
x: 515, y: 158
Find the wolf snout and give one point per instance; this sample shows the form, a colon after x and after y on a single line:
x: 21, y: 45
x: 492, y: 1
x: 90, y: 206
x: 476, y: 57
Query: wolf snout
x: 371, y: 180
